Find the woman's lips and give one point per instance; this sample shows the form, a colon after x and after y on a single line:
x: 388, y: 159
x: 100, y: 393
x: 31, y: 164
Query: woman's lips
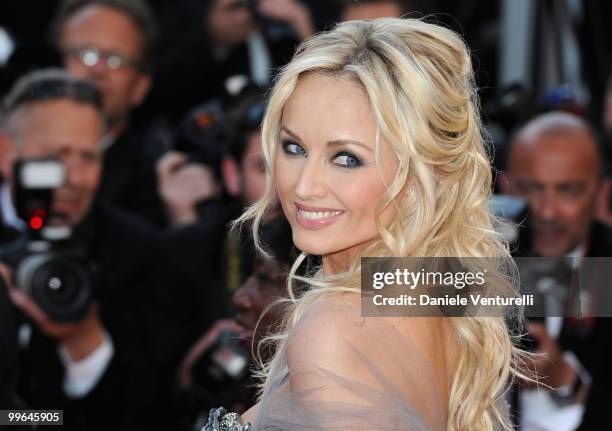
x: 313, y: 218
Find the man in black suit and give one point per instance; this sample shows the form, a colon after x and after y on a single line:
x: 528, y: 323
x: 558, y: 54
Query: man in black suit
x: 100, y: 368
x: 223, y: 43
x: 111, y: 44
x: 556, y: 165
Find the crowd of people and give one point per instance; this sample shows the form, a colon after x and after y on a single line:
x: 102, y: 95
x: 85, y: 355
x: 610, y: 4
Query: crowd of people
x: 149, y: 315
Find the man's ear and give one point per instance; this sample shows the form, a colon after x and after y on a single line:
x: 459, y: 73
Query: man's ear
x: 503, y: 183
x: 7, y: 155
x: 603, y: 203
x: 231, y: 176
x: 141, y: 89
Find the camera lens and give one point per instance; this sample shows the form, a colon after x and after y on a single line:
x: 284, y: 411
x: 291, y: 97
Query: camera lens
x: 57, y: 282
x: 60, y: 286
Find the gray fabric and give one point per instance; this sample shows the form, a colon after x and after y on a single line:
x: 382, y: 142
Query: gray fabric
x: 390, y: 385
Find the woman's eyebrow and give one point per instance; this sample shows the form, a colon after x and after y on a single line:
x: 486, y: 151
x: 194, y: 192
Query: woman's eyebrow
x: 335, y: 142
x: 289, y: 132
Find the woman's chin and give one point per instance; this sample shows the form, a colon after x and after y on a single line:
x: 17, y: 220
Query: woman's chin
x: 312, y: 248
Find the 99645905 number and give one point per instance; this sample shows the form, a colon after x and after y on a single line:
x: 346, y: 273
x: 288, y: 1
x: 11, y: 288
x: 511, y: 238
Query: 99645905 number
x: 31, y: 417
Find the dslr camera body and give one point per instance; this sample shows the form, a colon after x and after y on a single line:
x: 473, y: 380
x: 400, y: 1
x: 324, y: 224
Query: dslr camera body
x: 49, y: 264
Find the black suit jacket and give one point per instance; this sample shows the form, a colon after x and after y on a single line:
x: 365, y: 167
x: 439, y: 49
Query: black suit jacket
x: 188, y: 72
x: 122, y: 399
x: 592, y: 346
x: 8, y: 347
x: 129, y: 181
x: 8, y: 336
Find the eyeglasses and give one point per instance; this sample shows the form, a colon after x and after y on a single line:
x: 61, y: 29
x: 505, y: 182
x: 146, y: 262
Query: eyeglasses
x: 90, y: 56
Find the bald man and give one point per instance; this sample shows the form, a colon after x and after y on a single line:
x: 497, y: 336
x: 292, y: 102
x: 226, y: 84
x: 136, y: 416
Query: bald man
x: 555, y: 164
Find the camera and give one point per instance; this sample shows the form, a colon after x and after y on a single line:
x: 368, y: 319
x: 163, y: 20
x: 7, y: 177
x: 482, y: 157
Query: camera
x: 49, y: 264
x: 200, y: 134
x: 220, y: 377
x: 207, y: 132
x: 212, y: 131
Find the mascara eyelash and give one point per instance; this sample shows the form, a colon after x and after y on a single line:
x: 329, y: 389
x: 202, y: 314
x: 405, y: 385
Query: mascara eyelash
x: 286, y: 143
x: 346, y: 153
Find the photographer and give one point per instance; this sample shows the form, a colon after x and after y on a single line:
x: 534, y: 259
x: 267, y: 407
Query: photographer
x: 209, y: 374
x: 93, y: 363
x: 215, y: 157
x: 111, y: 43
x: 204, y: 264
x: 262, y: 32
x: 225, y: 42
x: 556, y: 165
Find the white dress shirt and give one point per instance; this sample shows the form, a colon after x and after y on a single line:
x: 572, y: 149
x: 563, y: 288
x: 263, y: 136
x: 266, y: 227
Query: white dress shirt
x: 81, y: 376
x: 539, y: 412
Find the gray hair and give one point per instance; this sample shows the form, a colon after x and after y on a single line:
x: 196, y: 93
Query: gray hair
x: 46, y: 85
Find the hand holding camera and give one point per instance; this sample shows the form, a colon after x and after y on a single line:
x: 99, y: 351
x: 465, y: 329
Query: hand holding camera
x: 49, y: 278
x: 49, y: 265
x: 182, y: 185
x: 79, y: 338
x: 203, y: 345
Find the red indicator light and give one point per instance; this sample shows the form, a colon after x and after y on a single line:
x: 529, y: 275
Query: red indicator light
x: 36, y: 222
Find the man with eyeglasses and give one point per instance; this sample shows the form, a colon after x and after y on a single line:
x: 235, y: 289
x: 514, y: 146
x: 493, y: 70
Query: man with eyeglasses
x: 111, y: 43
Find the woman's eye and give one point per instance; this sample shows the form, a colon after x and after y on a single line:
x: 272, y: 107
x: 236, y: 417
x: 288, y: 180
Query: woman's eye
x: 293, y: 148
x: 347, y: 160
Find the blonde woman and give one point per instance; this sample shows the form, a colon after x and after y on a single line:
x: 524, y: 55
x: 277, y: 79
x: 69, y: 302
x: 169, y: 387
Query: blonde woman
x: 373, y: 144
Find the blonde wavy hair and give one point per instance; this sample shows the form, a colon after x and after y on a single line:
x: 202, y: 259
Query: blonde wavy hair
x: 419, y: 81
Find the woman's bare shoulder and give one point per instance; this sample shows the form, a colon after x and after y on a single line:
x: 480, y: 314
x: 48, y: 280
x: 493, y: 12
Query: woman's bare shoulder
x: 338, y: 317
x: 250, y: 414
x: 333, y: 334
x: 384, y: 364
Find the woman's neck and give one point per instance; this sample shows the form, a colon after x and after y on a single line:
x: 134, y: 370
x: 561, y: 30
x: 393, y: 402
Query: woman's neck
x: 338, y: 262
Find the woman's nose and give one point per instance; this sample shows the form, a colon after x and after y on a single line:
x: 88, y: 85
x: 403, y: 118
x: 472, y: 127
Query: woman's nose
x: 311, y: 183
